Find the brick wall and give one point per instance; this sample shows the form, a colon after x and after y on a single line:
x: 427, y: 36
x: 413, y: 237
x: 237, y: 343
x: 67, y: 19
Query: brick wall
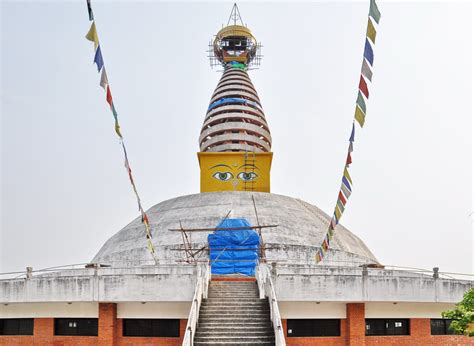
x: 353, y: 333
x: 318, y: 341
x: 110, y: 333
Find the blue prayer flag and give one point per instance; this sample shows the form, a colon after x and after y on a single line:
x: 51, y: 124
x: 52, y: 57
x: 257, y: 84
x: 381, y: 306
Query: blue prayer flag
x: 98, y: 59
x: 346, y: 183
x: 352, y: 133
x: 368, y: 52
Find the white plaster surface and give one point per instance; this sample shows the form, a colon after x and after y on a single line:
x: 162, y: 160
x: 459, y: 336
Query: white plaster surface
x: 312, y: 310
x: 49, y: 310
x: 301, y: 228
x: 405, y: 310
x: 153, y: 310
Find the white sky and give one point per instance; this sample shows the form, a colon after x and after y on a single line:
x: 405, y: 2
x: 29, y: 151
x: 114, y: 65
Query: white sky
x: 64, y: 188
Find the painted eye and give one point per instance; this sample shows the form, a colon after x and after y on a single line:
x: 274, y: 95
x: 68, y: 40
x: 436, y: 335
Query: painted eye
x: 247, y: 176
x: 223, y: 176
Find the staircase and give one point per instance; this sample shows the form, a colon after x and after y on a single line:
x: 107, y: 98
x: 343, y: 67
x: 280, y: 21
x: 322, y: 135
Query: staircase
x: 233, y: 314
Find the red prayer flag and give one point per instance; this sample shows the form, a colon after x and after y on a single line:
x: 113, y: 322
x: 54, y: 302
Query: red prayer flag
x: 349, y: 158
x: 342, y: 198
x: 363, y: 87
x: 109, y: 96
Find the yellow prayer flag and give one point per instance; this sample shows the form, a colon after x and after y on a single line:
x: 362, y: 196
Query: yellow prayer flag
x: 150, y: 246
x: 92, y: 35
x: 338, y: 213
x: 117, y: 129
x: 359, y: 116
x: 346, y: 174
x: 371, y: 33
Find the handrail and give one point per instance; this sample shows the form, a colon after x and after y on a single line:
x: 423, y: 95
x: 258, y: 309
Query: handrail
x: 266, y: 289
x: 200, y: 293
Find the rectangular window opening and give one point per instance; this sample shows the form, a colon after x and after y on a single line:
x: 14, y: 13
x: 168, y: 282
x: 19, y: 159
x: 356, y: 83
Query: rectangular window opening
x: 16, y: 326
x: 313, y: 327
x: 380, y: 326
x: 76, y: 326
x: 151, y: 327
x: 440, y: 326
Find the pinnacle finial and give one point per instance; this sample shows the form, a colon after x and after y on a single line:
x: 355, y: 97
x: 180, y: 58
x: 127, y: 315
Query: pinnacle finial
x: 235, y: 16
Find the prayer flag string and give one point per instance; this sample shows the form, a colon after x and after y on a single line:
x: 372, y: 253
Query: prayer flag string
x: 345, y: 190
x: 104, y: 83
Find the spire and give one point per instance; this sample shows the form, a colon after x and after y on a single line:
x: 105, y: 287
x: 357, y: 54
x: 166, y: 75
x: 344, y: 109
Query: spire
x: 235, y: 141
x: 235, y: 16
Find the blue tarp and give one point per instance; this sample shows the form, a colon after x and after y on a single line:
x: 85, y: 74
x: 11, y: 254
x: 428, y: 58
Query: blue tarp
x: 233, y: 252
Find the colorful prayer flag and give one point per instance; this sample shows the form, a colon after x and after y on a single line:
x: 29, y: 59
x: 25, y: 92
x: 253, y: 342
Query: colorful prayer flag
x: 92, y: 35
x: 104, y: 81
x: 340, y: 205
x: 117, y: 129
x: 368, y: 52
x: 342, y: 198
x: 351, y: 139
x: 114, y: 112
x: 359, y: 116
x: 366, y: 71
x: 348, y: 159
x: 333, y: 223
x: 351, y: 147
x: 89, y: 9
x: 98, y: 59
x: 347, y: 176
x: 363, y: 87
x: 346, y: 183
x: 374, y: 11
x: 371, y: 33
x: 109, y: 97
x: 345, y: 191
x: 337, y: 212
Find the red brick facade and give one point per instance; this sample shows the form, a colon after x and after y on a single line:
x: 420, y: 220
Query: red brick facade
x: 110, y: 333
x: 352, y: 333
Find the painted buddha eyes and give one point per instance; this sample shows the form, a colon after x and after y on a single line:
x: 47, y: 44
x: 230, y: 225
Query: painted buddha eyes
x: 223, y: 176
x: 244, y: 176
x: 247, y: 176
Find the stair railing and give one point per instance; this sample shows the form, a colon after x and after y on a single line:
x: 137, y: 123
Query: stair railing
x: 200, y: 293
x: 266, y: 289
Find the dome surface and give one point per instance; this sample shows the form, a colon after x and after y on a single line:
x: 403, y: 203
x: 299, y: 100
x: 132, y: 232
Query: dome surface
x: 301, y: 229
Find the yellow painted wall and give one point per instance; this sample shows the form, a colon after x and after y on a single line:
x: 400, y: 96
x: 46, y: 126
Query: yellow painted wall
x: 235, y: 171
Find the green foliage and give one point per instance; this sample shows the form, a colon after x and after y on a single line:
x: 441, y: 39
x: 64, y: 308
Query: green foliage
x: 462, y: 315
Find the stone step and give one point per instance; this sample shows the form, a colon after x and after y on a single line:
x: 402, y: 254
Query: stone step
x: 242, y: 299
x: 234, y: 328
x: 230, y: 294
x: 234, y: 340
x: 232, y: 312
x: 234, y: 333
x: 211, y: 343
x: 245, y: 324
x: 233, y: 291
x: 218, y: 310
x: 232, y: 319
x: 260, y: 302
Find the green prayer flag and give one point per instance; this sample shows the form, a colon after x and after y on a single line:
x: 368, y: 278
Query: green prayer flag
x: 361, y: 102
x: 359, y: 116
x: 340, y: 205
x: 374, y: 11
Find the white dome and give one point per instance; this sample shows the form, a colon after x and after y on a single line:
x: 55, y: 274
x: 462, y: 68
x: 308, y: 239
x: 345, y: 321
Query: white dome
x: 301, y: 229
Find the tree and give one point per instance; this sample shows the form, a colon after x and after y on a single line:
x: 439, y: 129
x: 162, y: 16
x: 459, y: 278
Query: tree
x: 462, y: 315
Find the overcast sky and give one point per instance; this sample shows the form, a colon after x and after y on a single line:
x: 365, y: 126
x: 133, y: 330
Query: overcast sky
x: 65, y: 190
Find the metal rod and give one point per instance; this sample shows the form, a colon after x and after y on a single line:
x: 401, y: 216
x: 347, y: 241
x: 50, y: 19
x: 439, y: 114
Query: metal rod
x: 220, y: 228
